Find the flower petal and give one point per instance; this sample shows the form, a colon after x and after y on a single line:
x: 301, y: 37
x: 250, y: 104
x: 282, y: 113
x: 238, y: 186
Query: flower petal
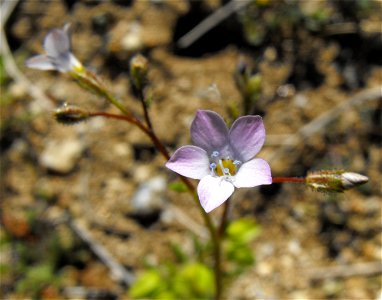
x: 57, y: 43
x: 190, y: 161
x: 253, y: 173
x: 209, y: 131
x: 247, y: 136
x: 213, y: 191
x: 41, y: 62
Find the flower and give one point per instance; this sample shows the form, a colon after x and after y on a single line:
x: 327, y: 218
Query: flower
x: 222, y: 159
x: 58, y: 55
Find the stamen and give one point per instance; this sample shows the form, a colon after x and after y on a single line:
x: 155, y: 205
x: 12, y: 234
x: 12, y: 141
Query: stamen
x: 224, y: 167
x: 221, y: 166
x: 237, y: 162
x: 215, y: 154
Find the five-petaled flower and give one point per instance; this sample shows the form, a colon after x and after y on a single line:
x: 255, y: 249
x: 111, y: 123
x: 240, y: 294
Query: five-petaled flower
x: 58, y: 55
x: 222, y: 159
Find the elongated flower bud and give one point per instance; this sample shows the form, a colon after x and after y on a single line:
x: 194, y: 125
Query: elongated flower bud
x: 334, y: 180
x: 70, y: 114
x: 138, y: 71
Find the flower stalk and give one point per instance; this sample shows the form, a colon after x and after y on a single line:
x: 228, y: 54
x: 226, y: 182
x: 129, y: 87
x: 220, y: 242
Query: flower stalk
x: 92, y: 83
x: 288, y: 179
x: 215, y: 236
x: 335, y: 181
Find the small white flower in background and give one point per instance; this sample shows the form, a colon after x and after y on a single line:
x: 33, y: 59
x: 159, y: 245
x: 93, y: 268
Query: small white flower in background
x: 58, y: 55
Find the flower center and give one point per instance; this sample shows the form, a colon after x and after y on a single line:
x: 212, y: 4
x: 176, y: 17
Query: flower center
x: 223, y: 166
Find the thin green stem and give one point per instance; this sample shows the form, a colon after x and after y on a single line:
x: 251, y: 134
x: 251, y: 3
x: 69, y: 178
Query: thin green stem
x: 218, y: 251
x: 224, y: 218
x: 144, y: 107
x: 115, y: 102
x: 218, y: 268
x: 91, y: 82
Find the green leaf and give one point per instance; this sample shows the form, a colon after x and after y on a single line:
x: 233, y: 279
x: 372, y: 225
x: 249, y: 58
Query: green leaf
x: 198, y: 279
x: 243, y: 231
x: 148, y: 284
x: 35, y: 279
x: 179, y: 187
x: 241, y: 254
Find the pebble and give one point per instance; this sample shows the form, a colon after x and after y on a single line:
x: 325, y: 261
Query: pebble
x: 300, y: 101
x: 264, y: 268
x: 61, y: 156
x: 149, y: 196
x: 132, y: 40
x: 142, y: 172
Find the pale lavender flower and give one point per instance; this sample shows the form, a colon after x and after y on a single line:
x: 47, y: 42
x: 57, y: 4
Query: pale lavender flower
x: 58, y: 55
x: 222, y: 159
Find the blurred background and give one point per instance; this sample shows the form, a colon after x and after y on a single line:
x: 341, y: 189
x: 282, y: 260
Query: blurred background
x: 87, y: 208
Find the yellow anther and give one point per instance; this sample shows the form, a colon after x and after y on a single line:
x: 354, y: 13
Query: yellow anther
x: 225, y: 164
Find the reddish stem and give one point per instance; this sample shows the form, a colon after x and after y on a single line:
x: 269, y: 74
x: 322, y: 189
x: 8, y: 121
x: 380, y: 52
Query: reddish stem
x: 287, y: 179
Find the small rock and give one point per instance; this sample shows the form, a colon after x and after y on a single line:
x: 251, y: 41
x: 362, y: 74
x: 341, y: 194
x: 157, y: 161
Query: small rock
x: 61, y: 156
x: 294, y: 247
x: 122, y: 150
x: 126, y: 37
x: 264, y: 268
x: 149, y: 197
x: 300, y: 101
x: 142, y: 172
x: 132, y: 40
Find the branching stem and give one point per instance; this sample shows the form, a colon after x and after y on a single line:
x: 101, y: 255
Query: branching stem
x: 216, y: 240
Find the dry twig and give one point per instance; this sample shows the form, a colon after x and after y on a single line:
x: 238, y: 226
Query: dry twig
x: 118, y: 272
x: 293, y: 140
x: 360, y: 269
x: 210, y: 22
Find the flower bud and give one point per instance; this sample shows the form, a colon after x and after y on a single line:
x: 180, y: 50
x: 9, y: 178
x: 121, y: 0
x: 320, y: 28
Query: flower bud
x: 350, y: 179
x: 334, y: 180
x: 254, y: 84
x: 138, y: 71
x: 70, y: 114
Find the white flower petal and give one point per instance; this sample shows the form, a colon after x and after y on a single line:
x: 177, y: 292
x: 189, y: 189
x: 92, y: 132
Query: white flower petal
x: 74, y: 62
x: 57, y: 43
x: 41, y: 62
x: 253, y: 173
x: 209, y: 131
x: 190, y: 161
x: 213, y: 191
x: 247, y: 136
